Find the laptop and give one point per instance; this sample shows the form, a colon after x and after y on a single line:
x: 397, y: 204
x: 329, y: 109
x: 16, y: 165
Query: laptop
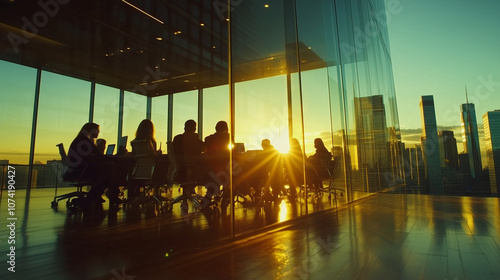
x: 123, y: 142
x: 239, y: 147
x: 110, y: 149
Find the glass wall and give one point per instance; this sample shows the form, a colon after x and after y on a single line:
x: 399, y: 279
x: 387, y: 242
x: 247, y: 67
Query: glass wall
x: 159, y: 117
x: 185, y: 107
x: 134, y: 111
x: 297, y: 72
x: 106, y: 112
x: 215, y: 108
x: 17, y: 96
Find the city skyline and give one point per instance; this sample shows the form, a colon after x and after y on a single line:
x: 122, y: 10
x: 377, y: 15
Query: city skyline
x: 443, y: 50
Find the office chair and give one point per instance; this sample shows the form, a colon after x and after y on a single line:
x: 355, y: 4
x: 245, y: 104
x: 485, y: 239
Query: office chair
x: 327, y: 172
x: 186, y: 184
x: 73, y: 198
x: 142, y: 177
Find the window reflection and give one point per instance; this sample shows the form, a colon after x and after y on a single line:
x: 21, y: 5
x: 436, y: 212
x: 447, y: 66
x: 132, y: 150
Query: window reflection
x: 261, y: 113
x: 134, y: 111
x: 185, y: 108
x: 159, y: 118
x: 16, y: 111
x: 215, y: 107
x: 106, y: 110
x: 63, y: 109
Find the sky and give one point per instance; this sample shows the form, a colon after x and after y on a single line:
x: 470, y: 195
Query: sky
x: 440, y: 48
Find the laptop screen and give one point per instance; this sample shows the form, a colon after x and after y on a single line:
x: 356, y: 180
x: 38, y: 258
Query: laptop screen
x: 110, y: 149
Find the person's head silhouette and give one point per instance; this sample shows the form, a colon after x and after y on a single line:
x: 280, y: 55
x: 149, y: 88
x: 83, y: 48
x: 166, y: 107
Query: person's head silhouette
x: 190, y: 126
x: 221, y: 126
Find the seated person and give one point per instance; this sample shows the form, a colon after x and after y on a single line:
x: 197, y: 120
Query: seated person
x: 86, y: 162
x: 317, y: 163
x: 217, y: 156
x: 146, y: 131
x: 272, y: 168
x: 188, y: 149
x: 101, y: 145
x: 294, y: 166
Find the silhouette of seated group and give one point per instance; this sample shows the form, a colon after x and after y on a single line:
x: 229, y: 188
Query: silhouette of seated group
x: 262, y: 173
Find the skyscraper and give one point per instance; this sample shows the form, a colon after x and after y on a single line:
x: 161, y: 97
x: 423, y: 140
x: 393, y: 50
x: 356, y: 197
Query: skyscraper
x: 470, y: 138
x: 371, y: 132
x: 430, y: 145
x: 448, y: 149
x: 491, y: 123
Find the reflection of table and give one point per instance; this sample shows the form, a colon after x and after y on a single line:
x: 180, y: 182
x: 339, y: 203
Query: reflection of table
x: 127, y: 163
x: 259, y: 169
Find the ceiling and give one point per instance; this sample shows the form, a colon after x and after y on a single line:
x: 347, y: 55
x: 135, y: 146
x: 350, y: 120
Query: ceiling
x: 148, y: 47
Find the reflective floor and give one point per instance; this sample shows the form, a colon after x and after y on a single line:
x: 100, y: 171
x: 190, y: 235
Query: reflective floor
x: 384, y: 236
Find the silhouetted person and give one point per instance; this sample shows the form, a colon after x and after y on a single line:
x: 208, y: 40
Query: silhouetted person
x: 272, y: 169
x: 317, y: 163
x: 294, y: 166
x: 146, y: 131
x: 101, y: 145
x: 188, y: 149
x: 86, y: 162
x: 217, y: 156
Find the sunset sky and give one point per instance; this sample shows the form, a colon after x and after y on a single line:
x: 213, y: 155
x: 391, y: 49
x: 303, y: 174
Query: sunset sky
x: 438, y: 48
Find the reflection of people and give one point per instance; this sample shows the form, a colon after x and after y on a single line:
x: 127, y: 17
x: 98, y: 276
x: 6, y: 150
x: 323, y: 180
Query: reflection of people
x: 101, y: 145
x: 146, y: 131
x: 188, y: 149
x: 271, y: 162
x: 218, y: 147
x: 86, y: 162
x: 318, y: 162
x: 294, y: 166
x: 217, y: 155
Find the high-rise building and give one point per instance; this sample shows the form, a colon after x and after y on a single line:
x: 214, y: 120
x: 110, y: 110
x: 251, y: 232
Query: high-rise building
x: 371, y: 132
x: 448, y: 149
x: 491, y: 123
x: 430, y: 145
x: 470, y: 138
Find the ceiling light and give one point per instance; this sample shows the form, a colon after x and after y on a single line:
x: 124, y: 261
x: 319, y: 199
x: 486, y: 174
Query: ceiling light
x: 159, y: 38
x: 202, y: 24
x: 266, y: 6
x: 142, y: 11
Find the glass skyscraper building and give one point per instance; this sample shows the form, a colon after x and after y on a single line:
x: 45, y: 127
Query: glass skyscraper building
x: 430, y: 145
x: 470, y: 138
x: 491, y: 124
x: 273, y: 70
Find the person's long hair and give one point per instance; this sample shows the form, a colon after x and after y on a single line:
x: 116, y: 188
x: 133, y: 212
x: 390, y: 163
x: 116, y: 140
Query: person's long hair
x: 145, y: 130
x: 89, y: 129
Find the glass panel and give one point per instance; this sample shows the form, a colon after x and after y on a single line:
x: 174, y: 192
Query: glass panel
x: 160, y: 120
x: 185, y: 108
x: 261, y: 113
x: 134, y: 111
x: 215, y: 108
x: 16, y: 111
x: 63, y: 110
x: 106, y: 111
x: 263, y: 42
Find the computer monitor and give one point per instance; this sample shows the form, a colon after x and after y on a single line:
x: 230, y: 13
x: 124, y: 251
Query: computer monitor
x: 239, y: 147
x: 123, y: 142
x: 110, y: 149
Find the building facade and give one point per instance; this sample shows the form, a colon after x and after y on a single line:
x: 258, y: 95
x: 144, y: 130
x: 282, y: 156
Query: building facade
x: 491, y: 124
x: 470, y: 138
x: 430, y: 145
x: 282, y: 70
x: 448, y: 149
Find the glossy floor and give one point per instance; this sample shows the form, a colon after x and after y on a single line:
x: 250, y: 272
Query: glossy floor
x: 384, y: 236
